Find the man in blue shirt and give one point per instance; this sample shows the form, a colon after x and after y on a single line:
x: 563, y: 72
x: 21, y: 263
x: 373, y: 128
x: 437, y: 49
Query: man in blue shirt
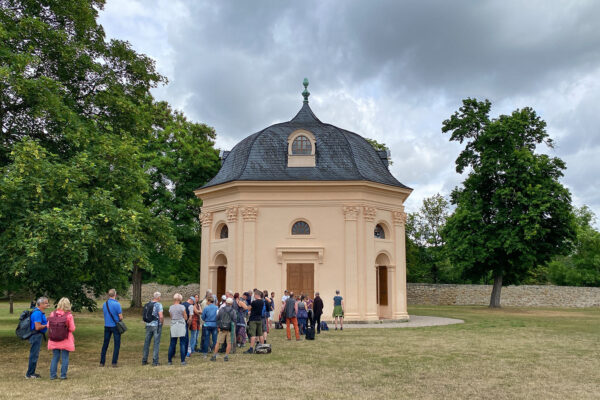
x: 39, y: 324
x: 112, y: 313
x: 209, y: 316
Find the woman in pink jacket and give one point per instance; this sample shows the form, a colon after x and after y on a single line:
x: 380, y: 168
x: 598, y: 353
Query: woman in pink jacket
x: 61, y: 324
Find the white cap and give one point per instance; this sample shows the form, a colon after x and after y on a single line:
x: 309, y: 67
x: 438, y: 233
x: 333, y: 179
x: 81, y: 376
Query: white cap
x: 229, y: 300
x: 223, y: 297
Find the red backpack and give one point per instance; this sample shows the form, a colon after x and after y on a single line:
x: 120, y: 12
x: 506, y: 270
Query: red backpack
x: 58, y: 327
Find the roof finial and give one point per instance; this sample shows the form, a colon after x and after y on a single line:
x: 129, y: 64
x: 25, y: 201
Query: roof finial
x: 306, y: 93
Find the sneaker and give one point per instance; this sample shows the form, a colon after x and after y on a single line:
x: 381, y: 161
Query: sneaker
x: 101, y: 364
x: 62, y: 379
x: 189, y: 354
x: 226, y: 358
x: 336, y: 328
x: 205, y: 355
x: 114, y: 366
x: 183, y: 363
x: 144, y: 362
x: 249, y: 351
x: 52, y: 378
x: 342, y: 328
x: 213, y: 358
x: 170, y: 363
x: 33, y: 376
x: 155, y: 364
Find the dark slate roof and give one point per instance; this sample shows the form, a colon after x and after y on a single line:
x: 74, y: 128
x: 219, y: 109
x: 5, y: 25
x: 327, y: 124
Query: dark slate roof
x: 340, y: 156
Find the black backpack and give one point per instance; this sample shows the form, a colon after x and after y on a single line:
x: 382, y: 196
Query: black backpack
x: 148, y: 312
x: 23, y: 330
x: 226, y: 320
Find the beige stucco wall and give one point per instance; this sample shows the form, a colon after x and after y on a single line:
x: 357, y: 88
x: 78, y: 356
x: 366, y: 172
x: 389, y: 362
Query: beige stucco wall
x: 342, y: 217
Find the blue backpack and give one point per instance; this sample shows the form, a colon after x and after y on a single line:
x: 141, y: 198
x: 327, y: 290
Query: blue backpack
x: 324, y: 326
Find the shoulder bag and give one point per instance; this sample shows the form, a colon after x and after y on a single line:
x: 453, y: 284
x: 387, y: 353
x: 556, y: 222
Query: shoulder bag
x: 120, y: 325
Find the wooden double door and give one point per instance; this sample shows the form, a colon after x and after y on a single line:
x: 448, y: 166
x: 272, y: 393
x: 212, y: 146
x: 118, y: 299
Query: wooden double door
x: 301, y: 279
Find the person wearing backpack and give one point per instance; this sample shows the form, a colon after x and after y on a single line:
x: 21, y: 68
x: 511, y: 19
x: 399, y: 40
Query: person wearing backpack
x: 226, y: 318
x: 153, y: 317
x: 39, y: 326
x: 112, y: 313
x: 60, y: 337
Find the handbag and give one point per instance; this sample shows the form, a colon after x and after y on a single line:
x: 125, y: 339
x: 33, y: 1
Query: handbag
x: 120, y: 325
x: 178, y: 328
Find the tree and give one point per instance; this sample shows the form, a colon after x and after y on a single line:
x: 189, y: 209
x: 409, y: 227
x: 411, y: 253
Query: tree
x: 76, y: 116
x: 181, y: 158
x: 380, y: 147
x: 424, y: 228
x: 582, y: 266
x: 512, y: 213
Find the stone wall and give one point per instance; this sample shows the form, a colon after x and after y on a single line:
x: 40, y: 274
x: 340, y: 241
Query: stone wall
x: 167, y: 291
x: 515, y: 296
x: 431, y: 294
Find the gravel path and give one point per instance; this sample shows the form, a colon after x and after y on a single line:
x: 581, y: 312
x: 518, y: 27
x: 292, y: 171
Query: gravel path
x: 416, y: 321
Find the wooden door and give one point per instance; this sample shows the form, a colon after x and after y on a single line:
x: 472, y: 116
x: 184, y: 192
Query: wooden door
x: 301, y: 279
x: 221, y: 277
x: 382, y: 286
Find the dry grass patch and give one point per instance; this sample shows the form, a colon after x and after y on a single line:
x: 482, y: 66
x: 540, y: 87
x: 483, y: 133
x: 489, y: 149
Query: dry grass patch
x: 499, y: 354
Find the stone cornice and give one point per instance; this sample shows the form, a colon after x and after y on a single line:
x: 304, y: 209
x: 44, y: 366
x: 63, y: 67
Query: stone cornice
x: 399, y: 218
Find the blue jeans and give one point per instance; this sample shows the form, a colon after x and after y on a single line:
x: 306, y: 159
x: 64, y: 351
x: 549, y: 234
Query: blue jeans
x: 34, y: 352
x: 108, y: 331
x: 64, y: 363
x: 152, y: 331
x: 193, y: 339
x: 208, y: 332
x: 182, y: 348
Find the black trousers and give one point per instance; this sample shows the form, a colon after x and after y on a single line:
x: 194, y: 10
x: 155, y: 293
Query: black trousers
x: 317, y: 321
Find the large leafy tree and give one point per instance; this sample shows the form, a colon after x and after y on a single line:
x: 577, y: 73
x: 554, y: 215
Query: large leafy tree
x: 77, y: 124
x: 512, y: 213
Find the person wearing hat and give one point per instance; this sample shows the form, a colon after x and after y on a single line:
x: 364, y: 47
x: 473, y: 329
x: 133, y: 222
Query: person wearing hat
x: 226, y: 317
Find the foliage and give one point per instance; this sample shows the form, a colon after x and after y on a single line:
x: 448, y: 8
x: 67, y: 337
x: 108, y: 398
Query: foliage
x: 582, y: 266
x: 84, y: 147
x: 181, y: 158
x: 512, y: 213
x: 426, y: 254
x: 379, y: 147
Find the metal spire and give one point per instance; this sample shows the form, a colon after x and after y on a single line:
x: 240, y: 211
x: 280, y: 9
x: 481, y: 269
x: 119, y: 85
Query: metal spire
x: 305, y: 93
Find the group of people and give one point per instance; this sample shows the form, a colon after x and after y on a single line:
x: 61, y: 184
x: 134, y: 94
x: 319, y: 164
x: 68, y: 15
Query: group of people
x: 200, y: 326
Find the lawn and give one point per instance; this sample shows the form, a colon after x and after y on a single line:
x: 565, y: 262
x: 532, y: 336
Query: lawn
x: 495, y: 354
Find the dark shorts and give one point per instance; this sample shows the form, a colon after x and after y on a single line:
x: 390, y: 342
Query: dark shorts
x: 255, y: 328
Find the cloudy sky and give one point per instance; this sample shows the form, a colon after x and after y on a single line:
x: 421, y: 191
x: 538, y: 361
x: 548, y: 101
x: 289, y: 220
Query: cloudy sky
x: 388, y: 70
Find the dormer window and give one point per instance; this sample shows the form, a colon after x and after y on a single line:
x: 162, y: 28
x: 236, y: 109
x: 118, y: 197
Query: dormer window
x: 301, y: 146
x: 301, y: 149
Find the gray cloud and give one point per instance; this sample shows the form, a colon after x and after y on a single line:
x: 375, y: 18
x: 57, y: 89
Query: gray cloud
x: 388, y: 70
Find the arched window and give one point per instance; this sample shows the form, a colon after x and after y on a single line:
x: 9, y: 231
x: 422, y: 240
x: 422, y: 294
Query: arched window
x: 301, y: 146
x: 224, y: 233
x: 300, y: 228
x: 379, y: 232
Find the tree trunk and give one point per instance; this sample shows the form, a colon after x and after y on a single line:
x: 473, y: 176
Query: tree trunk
x: 495, y: 299
x: 10, y: 302
x: 136, y: 280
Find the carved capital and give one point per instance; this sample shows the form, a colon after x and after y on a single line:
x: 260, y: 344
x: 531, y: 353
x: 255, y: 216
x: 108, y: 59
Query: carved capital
x: 249, y: 213
x: 369, y: 213
x: 399, y: 218
x: 351, y: 213
x: 232, y: 214
x: 206, y: 219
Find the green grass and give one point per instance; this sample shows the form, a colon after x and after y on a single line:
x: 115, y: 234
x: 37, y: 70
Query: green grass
x: 495, y: 354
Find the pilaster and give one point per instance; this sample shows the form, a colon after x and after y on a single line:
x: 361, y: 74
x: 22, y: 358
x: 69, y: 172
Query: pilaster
x: 206, y: 221
x: 249, y: 215
x: 351, y: 260
x: 401, y: 311
x: 369, y: 300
